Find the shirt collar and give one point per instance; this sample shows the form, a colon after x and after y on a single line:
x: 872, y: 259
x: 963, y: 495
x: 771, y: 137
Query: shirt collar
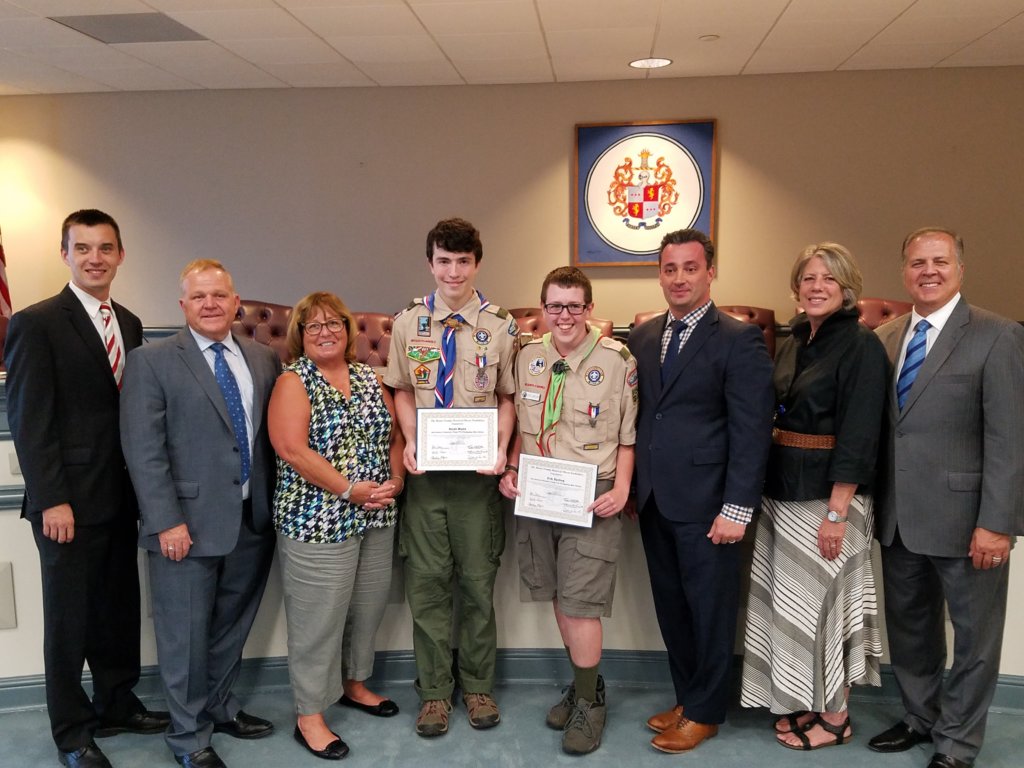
x: 470, y: 312
x: 205, y: 343
x: 939, y: 317
x: 89, y: 302
x: 691, y: 318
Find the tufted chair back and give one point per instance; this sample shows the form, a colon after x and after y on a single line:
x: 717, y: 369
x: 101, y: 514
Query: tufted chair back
x: 267, y: 323
x: 264, y: 322
x: 876, y: 312
x: 531, y: 320
x: 759, y: 316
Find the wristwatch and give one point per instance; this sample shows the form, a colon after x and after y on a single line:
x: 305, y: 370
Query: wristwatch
x: 833, y: 516
x: 348, y: 492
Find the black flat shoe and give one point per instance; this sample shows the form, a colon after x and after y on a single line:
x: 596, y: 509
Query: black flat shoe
x: 89, y: 756
x: 386, y: 708
x: 336, y: 750
x: 245, y: 726
x: 146, y: 721
x: 940, y: 760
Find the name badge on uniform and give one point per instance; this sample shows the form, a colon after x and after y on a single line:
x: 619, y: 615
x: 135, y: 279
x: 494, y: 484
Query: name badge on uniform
x: 533, y: 397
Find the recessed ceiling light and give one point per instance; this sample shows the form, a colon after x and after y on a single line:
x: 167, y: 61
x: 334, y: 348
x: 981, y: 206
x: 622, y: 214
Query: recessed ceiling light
x: 708, y: 38
x: 650, y: 63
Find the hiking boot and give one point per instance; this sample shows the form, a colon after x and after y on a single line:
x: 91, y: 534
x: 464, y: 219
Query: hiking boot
x: 433, y: 718
x: 483, y: 710
x: 559, y: 714
x: 582, y: 733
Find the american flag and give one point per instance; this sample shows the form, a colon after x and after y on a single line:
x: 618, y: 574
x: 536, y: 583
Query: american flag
x: 5, y: 291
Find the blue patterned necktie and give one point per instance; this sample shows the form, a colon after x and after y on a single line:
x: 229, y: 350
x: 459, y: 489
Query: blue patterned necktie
x: 444, y: 392
x: 673, y: 348
x: 233, y: 399
x: 912, y: 362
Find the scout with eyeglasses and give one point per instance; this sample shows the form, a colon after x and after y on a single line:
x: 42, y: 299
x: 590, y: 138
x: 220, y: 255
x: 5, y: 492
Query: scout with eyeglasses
x: 576, y: 399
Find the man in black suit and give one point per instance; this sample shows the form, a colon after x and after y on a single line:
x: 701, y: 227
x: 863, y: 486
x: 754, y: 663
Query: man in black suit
x: 703, y: 433
x: 193, y: 422
x: 65, y: 357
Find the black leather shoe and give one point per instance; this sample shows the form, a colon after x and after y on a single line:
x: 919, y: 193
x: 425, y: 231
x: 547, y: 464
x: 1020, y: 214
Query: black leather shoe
x: 89, y: 756
x: 201, y: 758
x: 386, y: 708
x: 336, y: 750
x: 245, y: 726
x: 146, y: 721
x: 899, y: 738
x: 940, y: 760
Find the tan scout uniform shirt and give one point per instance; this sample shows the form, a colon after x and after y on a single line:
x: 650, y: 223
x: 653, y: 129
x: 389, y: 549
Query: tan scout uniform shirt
x: 415, y: 353
x: 605, y: 378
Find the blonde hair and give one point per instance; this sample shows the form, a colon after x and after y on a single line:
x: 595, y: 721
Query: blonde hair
x: 202, y: 265
x: 840, y: 263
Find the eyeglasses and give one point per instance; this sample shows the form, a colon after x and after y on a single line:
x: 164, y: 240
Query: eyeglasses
x: 574, y: 309
x: 313, y: 329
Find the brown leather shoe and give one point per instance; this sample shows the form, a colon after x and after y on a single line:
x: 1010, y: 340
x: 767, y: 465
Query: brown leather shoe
x: 686, y: 735
x: 662, y: 721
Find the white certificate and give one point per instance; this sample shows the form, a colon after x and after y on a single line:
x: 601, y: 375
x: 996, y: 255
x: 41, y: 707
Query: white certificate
x: 556, y: 490
x: 456, y: 438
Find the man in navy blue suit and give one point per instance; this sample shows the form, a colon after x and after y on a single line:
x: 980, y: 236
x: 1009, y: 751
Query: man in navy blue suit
x: 703, y: 432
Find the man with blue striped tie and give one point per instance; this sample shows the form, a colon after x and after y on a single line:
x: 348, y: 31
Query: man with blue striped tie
x: 453, y: 348
x: 950, y: 498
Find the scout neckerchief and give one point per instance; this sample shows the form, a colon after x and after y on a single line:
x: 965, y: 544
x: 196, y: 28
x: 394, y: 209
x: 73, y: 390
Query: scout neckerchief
x: 443, y: 389
x: 553, y: 393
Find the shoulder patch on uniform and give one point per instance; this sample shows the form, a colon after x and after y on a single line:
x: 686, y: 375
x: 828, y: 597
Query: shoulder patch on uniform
x: 412, y: 304
x: 494, y: 309
x: 616, y: 346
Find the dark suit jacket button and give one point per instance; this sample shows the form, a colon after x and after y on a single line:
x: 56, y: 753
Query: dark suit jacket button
x: 657, y: 416
x: 235, y: 449
x: 237, y: 482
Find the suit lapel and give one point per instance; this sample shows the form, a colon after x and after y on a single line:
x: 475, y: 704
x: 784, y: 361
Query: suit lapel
x: 86, y: 331
x: 706, y: 327
x: 944, y: 345
x: 258, y: 393
x: 128, y: 336
x: 648, y: 356
x: 893, y: 342
x: 194, y: 360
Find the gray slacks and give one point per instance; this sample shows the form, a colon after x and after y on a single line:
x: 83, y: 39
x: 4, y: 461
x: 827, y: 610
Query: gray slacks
x: 334, y: 600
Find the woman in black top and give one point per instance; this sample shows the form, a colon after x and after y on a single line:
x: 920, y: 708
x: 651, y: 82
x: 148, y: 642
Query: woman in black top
x: 812, y: 618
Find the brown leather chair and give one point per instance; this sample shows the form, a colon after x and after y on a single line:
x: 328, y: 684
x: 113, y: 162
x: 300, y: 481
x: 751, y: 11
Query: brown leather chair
x: 759, y: 316
x: 264, y: 322
x: 531, y: 320
x: 267, y: 323
x: 876, y: 312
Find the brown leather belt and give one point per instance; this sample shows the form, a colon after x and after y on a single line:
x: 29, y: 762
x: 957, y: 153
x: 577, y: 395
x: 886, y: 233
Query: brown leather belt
x: 800, y: 440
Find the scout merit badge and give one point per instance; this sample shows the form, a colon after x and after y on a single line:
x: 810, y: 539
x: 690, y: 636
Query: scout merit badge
x: 593, y: 409
x: 422, y: 354
x: 481, y: 337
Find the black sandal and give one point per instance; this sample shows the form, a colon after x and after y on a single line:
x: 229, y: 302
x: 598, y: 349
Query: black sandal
x: 839, y: 731
x: 793, y: 719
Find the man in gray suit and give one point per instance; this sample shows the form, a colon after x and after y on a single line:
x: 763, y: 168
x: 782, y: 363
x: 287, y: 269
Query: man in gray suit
x: 193, y: 426
x: 951, y: 497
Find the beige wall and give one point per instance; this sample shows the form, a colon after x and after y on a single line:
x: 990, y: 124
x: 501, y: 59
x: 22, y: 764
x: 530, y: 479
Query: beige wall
x: 307, y: 189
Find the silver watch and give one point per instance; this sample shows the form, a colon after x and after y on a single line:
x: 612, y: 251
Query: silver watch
x: 833, y: 516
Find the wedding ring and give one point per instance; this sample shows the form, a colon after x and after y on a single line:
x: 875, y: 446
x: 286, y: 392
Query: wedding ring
x: 997, y: 559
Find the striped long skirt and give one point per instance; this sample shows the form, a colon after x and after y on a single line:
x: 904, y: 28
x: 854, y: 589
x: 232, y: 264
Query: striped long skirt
x: 812, y: 624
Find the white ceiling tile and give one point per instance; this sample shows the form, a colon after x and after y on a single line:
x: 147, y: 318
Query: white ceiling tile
x: 878, y: 55
x: 462, y: 18
x: 720, y: 15
x: 481, y: 72
x: 202, y: 62
x: 28, y: 33
x: 252, y: 24
x: 284, y: 51
x: 845, y: 10
x: 416, y: 73
x: 147, y: 78
x: 594, y: 68
x: 36, y: 77
x: 176, y: 6
x: 82, y: 7
x: 805, y: 59
x: 289, y: 4
x: 360, y: 20
x: 596, y: 14
x: 398, y: 49
x: 8, y: 11
x: 626, y: 43
x: 338, y: 74
x: 504, y: 47
x: 81, y: 58
x: 850, y: 34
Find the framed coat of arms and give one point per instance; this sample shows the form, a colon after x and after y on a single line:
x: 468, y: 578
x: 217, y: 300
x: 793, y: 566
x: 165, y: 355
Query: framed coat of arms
x: 635, y: 182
